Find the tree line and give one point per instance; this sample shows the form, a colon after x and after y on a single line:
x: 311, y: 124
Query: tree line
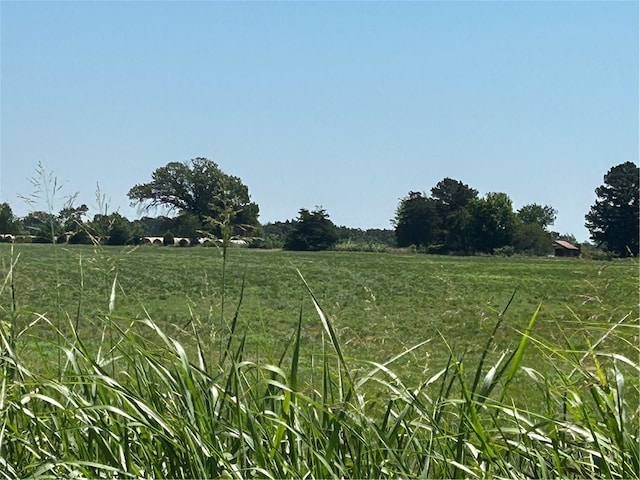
x: 204, y: 201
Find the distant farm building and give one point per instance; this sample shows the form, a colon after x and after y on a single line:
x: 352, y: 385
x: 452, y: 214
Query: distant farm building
x: 562, y: 248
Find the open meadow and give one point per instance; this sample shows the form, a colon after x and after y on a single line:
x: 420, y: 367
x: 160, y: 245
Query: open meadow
x: 509, y: 353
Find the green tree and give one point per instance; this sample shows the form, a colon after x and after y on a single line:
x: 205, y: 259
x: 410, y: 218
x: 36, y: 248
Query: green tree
x: 532, y: 239
x: 312, y: 231
x: 186, y: 225
x: 613, y: 219
x: 113, y: 229
x: 168, y: 239
x: 199, y: 187
x: 44, y: 226
x: 276, y: 233
x: 494, y: 222
x: 9, y: 223
x: 416, y: 221
x: 452, y: 195
x: 71, y: 218
x: 453, y: 199
x: 154, y: 226
x: 543, y: 215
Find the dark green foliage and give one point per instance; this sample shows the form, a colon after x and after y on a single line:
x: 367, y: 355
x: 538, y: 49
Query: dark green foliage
x: 185, y: 225
x: 168, y: 239
x: 312, y: 231
x: 81, y: 237
x: 71, y: 218
x: 453, y: 199
x: 613, y: 219
x: 276, y: 233
x: 9, y: 223
x: 493, y: 222
x: 154, y: 226
x: 543, y: 216
x: 43, y: 225
x: 114, y: 229
x: 455, y: 220
x: 417, y: 221
x: 200, y: 188
x: 532, y: 239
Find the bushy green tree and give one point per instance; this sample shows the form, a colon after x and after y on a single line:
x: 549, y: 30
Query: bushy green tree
x: 312, y: 231
x: 112, y: 229
x: 9, y: 223
x: 532, y: 239
x: 494, y: 222
x: 416, y: 221
x: 153, y: 226
x: 543, y: 215
x: 613, y: 219
x: 44, y: 226
x: 453, y: 199
x: 71, y: 218
x: 276, y: 233
x: 168, y: 239
x: 200, y: 188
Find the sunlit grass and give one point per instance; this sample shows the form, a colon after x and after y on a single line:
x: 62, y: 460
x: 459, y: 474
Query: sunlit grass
x: 353, y: 371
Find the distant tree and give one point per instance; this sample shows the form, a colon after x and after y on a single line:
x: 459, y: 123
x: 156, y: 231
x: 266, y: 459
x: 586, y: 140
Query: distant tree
x: 312, y: 231
x: 453, y: 199
x: 199, y: 187
x: 9, y: 223
x: 80, y: 237
x: 416, y: 221
x: 168, y: 239
x: 370, y: 235
x: 276, y: 233
x: 494, y: 222
x: 186, y: 225
x: 71, y: 218
x: 452, y: 195
x: 532, y: 239
x: 613, y: 219
x: 153, y: 226
x: 543, y: 215
x: 113, y: 229
x: 45, y: 226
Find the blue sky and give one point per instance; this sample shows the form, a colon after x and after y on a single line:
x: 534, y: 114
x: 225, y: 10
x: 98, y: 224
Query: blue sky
x: 348, y: 105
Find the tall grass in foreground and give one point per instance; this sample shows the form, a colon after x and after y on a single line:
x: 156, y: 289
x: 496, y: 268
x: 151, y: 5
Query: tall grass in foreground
x: 140, y: 406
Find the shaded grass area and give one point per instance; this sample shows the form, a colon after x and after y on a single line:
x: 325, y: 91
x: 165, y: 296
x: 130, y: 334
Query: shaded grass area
x: 378, y: 366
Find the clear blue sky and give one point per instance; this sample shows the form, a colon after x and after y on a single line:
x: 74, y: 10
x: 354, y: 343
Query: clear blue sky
x: 348, y: 105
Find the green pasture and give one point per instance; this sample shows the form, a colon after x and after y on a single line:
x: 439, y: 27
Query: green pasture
x: 380, y: 304
x: 159, y: 362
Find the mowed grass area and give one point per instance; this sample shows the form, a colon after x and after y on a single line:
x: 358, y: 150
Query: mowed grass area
x: 176, y: 363
x: 380, y: 304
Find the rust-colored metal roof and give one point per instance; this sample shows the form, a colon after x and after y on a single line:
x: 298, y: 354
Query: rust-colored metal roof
x: 566, y: 245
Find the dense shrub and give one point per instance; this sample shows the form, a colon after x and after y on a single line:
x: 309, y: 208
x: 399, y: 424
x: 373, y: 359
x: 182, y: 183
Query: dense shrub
x: 168, y: 239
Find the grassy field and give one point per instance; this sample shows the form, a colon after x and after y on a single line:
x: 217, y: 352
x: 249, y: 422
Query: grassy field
x: 377, y: 306
x: 380, y: 303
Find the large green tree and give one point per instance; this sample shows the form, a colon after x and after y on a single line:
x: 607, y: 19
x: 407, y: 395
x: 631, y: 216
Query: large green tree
x: 494, y: 222
x: 312, y: 231
x: 453, y: 199
x: 71, y: 218
x: 613, y: 219
x: 9, y: 223
x: 44, y: 226
x: 113, y: 229
x: 542, y: 215
x: 416, y: 221
x: 200, y: 188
